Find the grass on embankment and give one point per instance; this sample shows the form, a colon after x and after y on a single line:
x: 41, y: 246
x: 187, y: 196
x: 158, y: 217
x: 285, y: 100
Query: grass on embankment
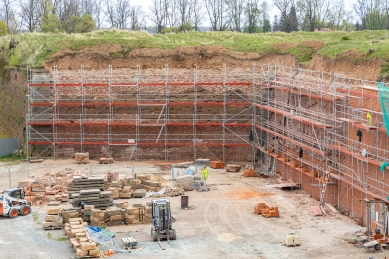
x: 36, y: 48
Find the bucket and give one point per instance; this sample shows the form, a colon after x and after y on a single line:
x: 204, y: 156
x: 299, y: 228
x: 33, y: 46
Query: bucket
x: 184, y: 202
x: 189, y: 172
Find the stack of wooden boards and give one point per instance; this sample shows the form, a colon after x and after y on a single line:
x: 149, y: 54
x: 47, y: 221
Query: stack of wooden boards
x: 79, y: 183
x: 53, y: 220
x: 80, y: 239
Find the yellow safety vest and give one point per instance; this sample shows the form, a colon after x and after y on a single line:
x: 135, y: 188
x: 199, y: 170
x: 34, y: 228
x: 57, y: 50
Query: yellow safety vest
x: 205, y: 173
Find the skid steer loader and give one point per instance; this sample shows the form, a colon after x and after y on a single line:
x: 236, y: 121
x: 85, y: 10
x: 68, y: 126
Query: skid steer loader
x: 12, y: 207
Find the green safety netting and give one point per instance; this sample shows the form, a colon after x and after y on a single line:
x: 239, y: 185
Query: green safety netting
x: 384, y: 99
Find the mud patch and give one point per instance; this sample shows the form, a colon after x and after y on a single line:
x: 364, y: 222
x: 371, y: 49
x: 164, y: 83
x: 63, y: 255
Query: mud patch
x: 284, y: 46
x: 314, y: 44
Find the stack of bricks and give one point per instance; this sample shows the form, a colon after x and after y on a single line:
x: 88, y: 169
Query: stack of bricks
x: 142, y: 213
x: 53, y: 220
x: 82, y: 158
x: 113, y: 176
x: 131, y: 216
x: 97, y: 217
x: 80, y: 240
x: 104, y: 160
x: 249, y: 173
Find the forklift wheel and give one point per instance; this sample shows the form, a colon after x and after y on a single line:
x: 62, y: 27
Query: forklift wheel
x: 377, y: 247
x: 25, y: 210
x: 154, y: 235
x: 13, y: 213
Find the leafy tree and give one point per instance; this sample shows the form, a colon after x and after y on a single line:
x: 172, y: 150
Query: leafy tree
x: 186, y: 26
x: 51, y: 24
x: 3, y: 28
x: 85, y: 24
x: 266, y: 27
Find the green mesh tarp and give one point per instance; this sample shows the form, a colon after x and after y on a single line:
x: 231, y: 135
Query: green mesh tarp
x: 384, y: 99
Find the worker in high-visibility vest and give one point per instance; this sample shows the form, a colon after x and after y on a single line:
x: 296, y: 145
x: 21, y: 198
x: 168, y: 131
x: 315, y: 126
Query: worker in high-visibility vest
x: 369, y: 119
x: 205, y: 173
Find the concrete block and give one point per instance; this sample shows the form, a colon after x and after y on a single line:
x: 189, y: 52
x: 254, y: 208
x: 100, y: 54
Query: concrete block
x: 87, y: 246
x: 52, y: 218
x: 55, y: 211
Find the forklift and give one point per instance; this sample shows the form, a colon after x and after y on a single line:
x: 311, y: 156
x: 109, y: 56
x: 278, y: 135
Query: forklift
x: 162, y: 221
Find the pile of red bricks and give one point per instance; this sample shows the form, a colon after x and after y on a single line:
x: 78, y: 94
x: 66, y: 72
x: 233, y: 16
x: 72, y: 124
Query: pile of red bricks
x: 266, y: 211
x: 249, y: 173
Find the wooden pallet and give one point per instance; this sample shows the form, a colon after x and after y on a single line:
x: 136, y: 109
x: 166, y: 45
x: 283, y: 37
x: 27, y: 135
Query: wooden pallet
x: 53, y: 228
x: 53, y: 203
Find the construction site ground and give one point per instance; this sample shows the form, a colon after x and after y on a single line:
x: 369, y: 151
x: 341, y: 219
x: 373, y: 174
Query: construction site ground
x: 221, y: 223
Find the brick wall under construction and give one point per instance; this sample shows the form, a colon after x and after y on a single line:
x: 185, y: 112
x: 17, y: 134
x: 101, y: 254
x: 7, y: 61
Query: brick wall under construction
x: 321, y: 131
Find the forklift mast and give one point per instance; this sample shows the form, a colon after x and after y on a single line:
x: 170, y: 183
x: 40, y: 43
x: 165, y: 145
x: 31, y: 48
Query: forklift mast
x: 161, y: 214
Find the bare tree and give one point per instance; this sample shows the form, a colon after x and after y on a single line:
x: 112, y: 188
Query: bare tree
x: 8, y: 14
x: 252, y: 11
x: 29, y: 11
x: 158, y: 13
x: 216, y: 10
x: 171, y: 10
x: 184, y: 8
x: 235, y: 12
x: 123, y: 13
x: 137, y: 19
x: 283, y: 5
x: 97, y: 13
x: 197, y: 14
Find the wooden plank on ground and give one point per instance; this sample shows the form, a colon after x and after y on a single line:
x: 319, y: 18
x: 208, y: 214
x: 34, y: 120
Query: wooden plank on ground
x: 282, y: 185
x: 331, y: 208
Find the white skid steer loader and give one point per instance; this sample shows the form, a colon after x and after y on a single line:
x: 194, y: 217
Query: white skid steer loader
x: 12, y: 207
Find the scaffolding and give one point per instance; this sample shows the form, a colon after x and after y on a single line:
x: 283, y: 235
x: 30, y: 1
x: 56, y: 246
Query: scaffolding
x: 326, y: 132
x: 320, y: 130
x: 133, y: 109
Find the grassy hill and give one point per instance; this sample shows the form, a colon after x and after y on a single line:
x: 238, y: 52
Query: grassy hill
x: 35, y: 49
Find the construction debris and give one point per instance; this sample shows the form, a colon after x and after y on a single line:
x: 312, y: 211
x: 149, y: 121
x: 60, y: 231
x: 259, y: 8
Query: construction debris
x: 266, y: 210
x: 318, y: 211
x: 233, y: 168
x: 104, y: 160
x: 185, y: 182
x: 36, y: 160
x: 249, y: 173
x: 260, y: 207
x: 174, y: 191
x: 82, y: 158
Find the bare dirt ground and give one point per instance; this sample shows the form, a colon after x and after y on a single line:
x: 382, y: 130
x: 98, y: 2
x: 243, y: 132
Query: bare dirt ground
x: 222, y: 223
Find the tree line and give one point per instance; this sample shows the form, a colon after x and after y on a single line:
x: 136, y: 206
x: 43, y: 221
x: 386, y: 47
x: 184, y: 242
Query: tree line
x: 251, y: 16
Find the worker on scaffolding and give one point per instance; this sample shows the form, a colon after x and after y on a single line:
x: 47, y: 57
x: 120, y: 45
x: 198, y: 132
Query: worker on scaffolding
x: 369, y: 119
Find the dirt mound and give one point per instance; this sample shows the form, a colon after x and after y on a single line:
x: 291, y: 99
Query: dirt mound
x: 315, y: 44
x: 247, y: 194
x: 351, y: 54
x: 283, y: 46
x: 181, y: 57
x: 362, y: 69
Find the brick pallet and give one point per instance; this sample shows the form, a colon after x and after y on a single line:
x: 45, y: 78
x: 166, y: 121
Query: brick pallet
x: 100, y: 199
x: 78, y: 183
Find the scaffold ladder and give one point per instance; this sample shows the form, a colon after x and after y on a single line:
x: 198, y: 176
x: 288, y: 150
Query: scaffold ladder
x: 324, y: 187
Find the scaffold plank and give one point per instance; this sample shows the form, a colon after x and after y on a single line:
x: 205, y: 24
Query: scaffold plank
x: 360, y: 157
x: 289, y: 140
x: 358, y: 94
x: 294, y: 117
x: 329, y: 99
